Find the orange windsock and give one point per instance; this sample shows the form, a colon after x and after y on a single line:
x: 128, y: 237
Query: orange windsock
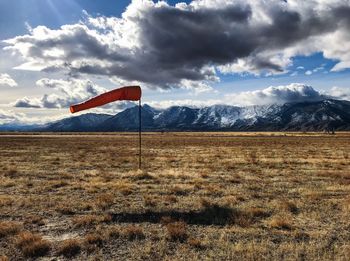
x: 130, y: 93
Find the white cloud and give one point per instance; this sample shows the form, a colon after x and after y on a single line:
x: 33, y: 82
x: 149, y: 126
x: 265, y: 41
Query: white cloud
x: 308, y: 72
x: 295, y: 92
x: 183, y: 102
x: 242, y: 36
x: 317, y: 69
x: 6, y: 80
x: 12, y: 117
x: 68, y: 92
x: 339, y: 93
x: 7, y: 117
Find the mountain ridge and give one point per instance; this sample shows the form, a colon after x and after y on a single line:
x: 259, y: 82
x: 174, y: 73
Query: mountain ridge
x: 303, y: 116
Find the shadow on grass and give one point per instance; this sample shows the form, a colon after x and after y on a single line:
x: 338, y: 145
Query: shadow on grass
x: 211, y: 215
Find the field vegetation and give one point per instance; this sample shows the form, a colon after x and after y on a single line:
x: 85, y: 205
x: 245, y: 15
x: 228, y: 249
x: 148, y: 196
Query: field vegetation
x: 199, y: 196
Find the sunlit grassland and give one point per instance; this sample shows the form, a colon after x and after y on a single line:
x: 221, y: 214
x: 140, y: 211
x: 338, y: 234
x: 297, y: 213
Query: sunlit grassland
x: 216, y: 196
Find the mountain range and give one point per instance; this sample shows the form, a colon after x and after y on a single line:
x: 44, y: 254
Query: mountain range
x: 303, y: 116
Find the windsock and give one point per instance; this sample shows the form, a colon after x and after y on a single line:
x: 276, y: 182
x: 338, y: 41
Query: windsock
x: 129, y: 93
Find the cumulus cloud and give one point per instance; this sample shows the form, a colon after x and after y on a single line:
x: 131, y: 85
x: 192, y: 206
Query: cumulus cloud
x: 6, y: 80
x: 7, y: 117
x: 294, y: 92
x: 166, y: 46
x: 339, y: 93
x: 70, y: 91
x: 308, y: 72
x: 11, y: 117
x: 67, y: 92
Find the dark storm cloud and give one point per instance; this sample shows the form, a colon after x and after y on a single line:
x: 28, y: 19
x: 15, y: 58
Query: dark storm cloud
x: 172, y: 44
x: 177, y: 37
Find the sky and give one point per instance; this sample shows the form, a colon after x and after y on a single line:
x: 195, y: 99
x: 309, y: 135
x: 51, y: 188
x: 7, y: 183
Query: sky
x: 54, y: 53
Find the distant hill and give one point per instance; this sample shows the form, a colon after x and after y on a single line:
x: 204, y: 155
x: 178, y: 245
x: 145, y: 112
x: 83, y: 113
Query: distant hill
x: 303, y: 116
x: 85, y: 122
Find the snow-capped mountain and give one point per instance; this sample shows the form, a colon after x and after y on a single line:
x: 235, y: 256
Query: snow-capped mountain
x: 304, y: 116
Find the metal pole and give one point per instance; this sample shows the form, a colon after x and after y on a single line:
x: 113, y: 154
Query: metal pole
x: 140, y: 133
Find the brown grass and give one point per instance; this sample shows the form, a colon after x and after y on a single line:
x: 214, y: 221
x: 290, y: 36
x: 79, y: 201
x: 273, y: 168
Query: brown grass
x: 288, y: 206
x: 143, y: 175
x: 177, y: 231
x: 196, y: 243
x: 4, y: 258
x: 90, y: 220
x: 69, y: 248
x: 280, y: 222
x: 9, y: 228
x: 104, y: 200
x: 12, y: 173
x: 149, y: 201
x: 132, y: 232
x: 94, y: 239
x: 32, y: 245
x: 35, y: 219
x: 199, y: 196
x: 114, y: 232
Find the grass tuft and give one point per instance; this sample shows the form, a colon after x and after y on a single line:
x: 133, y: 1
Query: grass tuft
x: 132, y: 232
x: 104, y: 201
x: 8, y: 228
x: 289, y: 206
x: 90, y: 220
x: 196, y: 243
x: 280, y: 222
x: 94, y: 239
x: 69, y: 248
x: 32, y: 245
x: 177, y: 231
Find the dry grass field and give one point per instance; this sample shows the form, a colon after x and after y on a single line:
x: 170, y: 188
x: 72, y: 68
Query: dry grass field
x: 200, y: 196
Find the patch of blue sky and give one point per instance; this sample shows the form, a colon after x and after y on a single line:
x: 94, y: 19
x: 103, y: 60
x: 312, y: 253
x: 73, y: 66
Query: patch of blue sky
x: 52, y: 13
x: 314, y: 63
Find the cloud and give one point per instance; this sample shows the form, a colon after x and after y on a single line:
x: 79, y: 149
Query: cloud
x: 6, y: 80
x: 26, y: 102
x: 295, y: 92
x: 308, y: 72
x: 68, y: 92
x: 339, y: 93
x: 164, y: 46
x: 12, y: 117
x: 184, y: 102
x: 7, y: 117
x: 317, y: 69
